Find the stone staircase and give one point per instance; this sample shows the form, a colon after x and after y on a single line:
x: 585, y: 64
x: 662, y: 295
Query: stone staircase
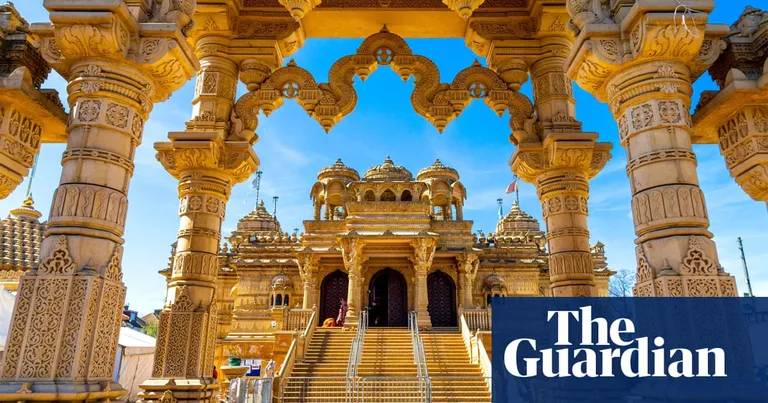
x: 321, y: 377
x: 447, y: 357
x: 387, y: 372
x: 387, y: 351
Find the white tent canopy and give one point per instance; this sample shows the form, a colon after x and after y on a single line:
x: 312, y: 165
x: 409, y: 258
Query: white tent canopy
x: 135, y: 355
x: 7, y: 301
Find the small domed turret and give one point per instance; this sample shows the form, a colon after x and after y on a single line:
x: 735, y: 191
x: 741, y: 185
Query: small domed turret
x: 388, y: 172
x: 340, y: 171
x: 438, y: 170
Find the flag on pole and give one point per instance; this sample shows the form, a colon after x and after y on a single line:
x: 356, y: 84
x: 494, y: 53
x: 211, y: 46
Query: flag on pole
x: 512, y: 187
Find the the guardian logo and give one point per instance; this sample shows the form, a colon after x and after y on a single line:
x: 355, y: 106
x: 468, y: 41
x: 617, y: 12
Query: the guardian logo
x: 622, y: 355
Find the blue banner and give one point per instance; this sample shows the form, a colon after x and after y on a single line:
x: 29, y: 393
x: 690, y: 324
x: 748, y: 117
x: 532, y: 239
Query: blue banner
x: 568, y: 350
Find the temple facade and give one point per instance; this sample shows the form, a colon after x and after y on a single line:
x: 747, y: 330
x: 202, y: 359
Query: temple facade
x: 415, y: 252
x: 371, y: 234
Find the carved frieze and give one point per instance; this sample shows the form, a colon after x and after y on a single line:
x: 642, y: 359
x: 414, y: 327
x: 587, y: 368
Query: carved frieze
x: 652, y: 209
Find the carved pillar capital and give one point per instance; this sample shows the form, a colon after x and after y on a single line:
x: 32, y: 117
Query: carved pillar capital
x: 156, y: 54
x: 571, y: 155
x: 625, y: 47
x: 195, y: 153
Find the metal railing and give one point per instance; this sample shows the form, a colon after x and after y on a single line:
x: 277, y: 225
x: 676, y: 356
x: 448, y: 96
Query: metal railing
x: 393, y: 389
x: 259, y: 390
x: 316, y: 389
x: 459, y: 388
x: 297, y: 350
x: 379, y: 389
x: 356, y: 351
x: 419, y: 356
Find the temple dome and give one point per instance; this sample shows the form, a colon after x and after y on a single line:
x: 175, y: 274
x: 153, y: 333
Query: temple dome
x: 21, y: 234
x: 388, y: 172
x: 517, y: 222
x: 259, y: 221
x: 338, y: 170
x: 281, y: 282
x: 438, y: 170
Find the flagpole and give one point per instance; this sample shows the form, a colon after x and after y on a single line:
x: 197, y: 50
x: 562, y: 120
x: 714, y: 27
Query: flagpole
x: 258, y: 185
x: 517, y: 191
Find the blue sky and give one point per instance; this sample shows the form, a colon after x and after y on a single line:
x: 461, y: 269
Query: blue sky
x: 293, y: 148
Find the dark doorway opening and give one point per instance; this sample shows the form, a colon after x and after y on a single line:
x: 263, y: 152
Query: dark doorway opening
x: 441, y: 293
x: 333, y: 288
x: 387, y: 299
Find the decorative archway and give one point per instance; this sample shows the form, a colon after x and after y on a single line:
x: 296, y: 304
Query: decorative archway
x: 388, y: 299
x: 441, y: 293
x: 334, y: 287
x: 329, y: 102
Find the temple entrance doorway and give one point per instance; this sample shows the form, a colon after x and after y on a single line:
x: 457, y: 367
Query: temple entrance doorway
x: 388, y: 302
x: 441, y: 293
x: 333, y: 288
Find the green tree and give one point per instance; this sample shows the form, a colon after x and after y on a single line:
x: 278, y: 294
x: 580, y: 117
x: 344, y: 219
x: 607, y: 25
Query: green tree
x: 150, y: 329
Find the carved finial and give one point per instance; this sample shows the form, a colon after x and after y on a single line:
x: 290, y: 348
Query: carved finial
x: 476, y: 63
x: 384, y: 29
x: 292, y: 63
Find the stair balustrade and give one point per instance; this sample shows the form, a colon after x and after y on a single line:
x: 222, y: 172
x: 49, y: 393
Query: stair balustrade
x: 478, y: 318
x: 296, y: 318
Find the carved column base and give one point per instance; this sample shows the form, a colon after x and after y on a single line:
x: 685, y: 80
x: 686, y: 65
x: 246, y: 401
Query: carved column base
x: 63, y: 337
x: 179, y: 390
x: 698, y: 274
x: 49, y: 391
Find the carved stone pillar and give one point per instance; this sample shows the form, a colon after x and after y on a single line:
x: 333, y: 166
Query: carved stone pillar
x: 561, y: 168
x: 469, y: 264
x: 459, y: 211
x: 643, y: 65
x: 424, y: 252
x: 65, y: 327
x: 29, y: 116
x: 352, y: 252
x: 206, y: 167
x: 552, y: 89
x: 308, y: 270
x: 736, y: 116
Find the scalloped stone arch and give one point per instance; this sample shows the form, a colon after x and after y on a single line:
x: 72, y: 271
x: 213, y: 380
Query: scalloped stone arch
x: 438, y: 102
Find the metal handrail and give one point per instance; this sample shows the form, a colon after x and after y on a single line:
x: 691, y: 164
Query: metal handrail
x: 419, y: 355
x: 356, y: 351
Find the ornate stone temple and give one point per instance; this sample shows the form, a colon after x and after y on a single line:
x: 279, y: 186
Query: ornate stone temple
x: 120, y: 57
x: 385, y: 238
